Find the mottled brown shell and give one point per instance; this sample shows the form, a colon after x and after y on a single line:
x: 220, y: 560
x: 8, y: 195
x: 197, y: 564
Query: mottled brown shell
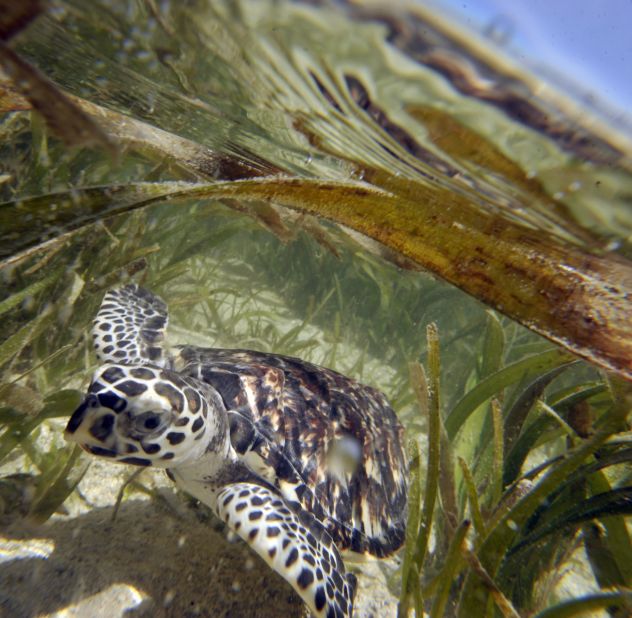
x: 290, y: 421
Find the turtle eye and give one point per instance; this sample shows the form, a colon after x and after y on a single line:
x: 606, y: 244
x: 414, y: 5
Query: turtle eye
x: 147, y: 421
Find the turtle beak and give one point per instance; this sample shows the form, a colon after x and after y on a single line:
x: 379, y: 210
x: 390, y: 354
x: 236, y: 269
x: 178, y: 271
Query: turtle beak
x: 78, y: 417
x: 92, y: 427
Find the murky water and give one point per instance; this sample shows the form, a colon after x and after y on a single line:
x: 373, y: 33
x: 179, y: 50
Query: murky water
x: 343, y: 95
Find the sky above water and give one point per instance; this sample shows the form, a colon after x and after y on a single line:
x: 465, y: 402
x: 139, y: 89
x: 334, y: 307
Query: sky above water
x: 588, y: 41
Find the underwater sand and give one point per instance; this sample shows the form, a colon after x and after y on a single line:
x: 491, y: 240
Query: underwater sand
x: 160, y: 557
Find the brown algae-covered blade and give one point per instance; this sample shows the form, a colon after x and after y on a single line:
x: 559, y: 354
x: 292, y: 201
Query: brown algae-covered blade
x: 574, y: 298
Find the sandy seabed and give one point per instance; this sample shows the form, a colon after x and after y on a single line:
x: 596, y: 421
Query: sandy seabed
x: 159, y: 557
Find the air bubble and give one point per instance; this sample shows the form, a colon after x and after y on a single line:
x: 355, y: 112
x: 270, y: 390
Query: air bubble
x: 143, y: 55
x: 512, y: 525
x: 170, y: 595
x: 28, y: 304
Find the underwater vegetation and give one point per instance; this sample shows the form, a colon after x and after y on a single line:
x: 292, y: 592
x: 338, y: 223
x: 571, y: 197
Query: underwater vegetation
x: 248, y: 184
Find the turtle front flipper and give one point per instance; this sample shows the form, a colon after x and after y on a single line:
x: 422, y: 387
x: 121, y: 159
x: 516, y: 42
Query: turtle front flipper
x: 130, y: 327
x: 293, y: 543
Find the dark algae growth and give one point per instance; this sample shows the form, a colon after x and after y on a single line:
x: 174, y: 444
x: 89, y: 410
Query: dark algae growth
x: 398, y: 279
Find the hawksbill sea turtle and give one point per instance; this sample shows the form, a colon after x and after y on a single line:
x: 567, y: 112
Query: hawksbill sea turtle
x: 299, y: 461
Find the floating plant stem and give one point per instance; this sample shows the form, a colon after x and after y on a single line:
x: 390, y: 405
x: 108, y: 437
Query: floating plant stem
x: 410, y: 578
x: 608, y: 504
x: 445, y: 579
x: 447, y: 484
x: 500, y: 538
x: 56, y: 484
x: 8, y: 385
x: 602, y: 561
x: 549, y: 411
x: 121, y: 492
x: 523, y: 444
x: 420, y: 523
x: 502, y: 602
x: 487, y: 388
x: 498, y: 458
x: 616, y: 537
x: 434, y: 440
x: 522, y: 405
x: 472, y: 494
x: 493, y: 346
x: 35, y: 288
x: 12, y: 346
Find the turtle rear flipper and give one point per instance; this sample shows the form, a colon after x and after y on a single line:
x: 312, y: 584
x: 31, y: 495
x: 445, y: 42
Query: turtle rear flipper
x: 130, y: 327
x: 294, y: 543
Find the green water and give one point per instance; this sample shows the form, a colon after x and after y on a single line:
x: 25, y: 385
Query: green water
x: 342, y: 95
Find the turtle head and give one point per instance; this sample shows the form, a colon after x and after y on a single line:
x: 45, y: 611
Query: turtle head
x: 145, y: 415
